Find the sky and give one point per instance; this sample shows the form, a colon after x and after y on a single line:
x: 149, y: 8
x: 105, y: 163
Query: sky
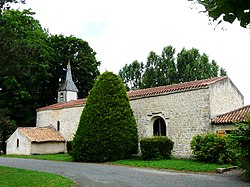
x: 121, y: 31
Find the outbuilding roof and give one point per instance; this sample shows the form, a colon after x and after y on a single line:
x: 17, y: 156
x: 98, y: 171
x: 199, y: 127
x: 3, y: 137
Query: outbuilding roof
x: 41, y: 134
x: 145, y: 92
x: 238, y: 115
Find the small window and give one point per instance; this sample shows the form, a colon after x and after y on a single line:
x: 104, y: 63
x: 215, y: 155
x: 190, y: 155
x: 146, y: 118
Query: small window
x: 61, y: 97
x: 159, y: 127
x: 17, y: 142
x: 58, y: 125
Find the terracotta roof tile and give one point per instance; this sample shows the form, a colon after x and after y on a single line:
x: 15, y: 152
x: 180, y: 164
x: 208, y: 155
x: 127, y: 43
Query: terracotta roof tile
x: 41, y: 134
x: 144, y: 92
x: 74, y: 103
x: 173, y: 88
x: 238, y: 115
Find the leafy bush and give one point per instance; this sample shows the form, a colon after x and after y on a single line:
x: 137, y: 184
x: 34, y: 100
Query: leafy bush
x: 241, y: 136
x: 156, y: 148
x: 210, y: 148
x: 107, y: 129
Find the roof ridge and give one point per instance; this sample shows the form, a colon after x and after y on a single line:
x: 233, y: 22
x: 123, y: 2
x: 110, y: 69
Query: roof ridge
x: 146, y: 92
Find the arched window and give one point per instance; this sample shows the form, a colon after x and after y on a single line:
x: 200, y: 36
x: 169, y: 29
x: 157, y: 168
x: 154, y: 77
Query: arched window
x: 58, y: 125
x: 159, y: 127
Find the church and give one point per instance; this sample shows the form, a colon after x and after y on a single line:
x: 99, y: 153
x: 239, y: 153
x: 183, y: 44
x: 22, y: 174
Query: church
x: 179, y: 111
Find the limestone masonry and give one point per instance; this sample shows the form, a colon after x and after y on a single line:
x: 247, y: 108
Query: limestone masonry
x: 178, y: 111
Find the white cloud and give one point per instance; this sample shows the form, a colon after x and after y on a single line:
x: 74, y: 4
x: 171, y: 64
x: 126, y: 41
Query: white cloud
x: 123, y: 31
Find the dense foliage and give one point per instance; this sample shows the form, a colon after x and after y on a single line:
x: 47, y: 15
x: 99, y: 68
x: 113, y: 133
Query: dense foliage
x: 156, y: 148
x: 241, y: 137
x: 24, y: 58
x: 210, y: 148
x: 32, y: 61
x: 107, y: 129
x: 165, y: 69
x: 227, y: 10
x: 82, y: 59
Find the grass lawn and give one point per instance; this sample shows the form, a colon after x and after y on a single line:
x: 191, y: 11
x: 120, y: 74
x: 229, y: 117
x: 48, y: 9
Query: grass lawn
x: 54, y: 157
x: 173, y: 164
x: 12, y: 177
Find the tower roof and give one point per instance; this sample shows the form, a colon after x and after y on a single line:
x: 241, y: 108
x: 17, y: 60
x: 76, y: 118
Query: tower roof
x: 68, y: 84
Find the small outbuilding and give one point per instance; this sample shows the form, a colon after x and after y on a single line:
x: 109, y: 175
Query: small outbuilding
x: 35, y: 140
x: 225, y: 123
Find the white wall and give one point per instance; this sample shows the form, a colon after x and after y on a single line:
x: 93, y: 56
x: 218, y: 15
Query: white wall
x: 68, y: 117
x: 224, y: 97
x: 48, y: 147
x: 24, y: 144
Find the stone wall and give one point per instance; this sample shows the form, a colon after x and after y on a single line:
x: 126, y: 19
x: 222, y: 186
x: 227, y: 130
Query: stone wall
x: 224, y: 97
x: 67, y: 117
x: 186, y: 114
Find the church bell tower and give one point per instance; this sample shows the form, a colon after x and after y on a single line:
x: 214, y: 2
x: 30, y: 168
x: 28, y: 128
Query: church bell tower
x: 67, y: 90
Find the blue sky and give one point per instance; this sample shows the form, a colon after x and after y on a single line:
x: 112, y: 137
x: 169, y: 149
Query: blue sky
x: 123, y: 31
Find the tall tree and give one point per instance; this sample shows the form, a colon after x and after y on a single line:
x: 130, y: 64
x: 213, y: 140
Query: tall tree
x: 83, y: 64
x: 193, y: 66
x: 169, y: 73
x: 166, y: 69
x: 227, y: 10
x: 187, y: 65
x: 24, y: 58
x: 32, y: 62
x: 152, y: 73
x: 132, y: 75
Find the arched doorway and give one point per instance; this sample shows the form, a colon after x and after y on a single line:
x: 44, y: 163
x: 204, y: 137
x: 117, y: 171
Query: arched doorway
x: 159, y: 127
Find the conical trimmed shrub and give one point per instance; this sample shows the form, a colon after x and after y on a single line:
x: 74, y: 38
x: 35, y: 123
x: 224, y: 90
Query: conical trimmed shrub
x: 107, y: 129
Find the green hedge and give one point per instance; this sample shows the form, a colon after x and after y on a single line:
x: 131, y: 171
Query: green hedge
x: 156, y: 148
x: 211, y: 148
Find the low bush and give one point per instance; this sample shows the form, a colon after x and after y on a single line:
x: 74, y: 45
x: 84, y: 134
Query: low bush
x: 156, y: 148
x: 211, y: 148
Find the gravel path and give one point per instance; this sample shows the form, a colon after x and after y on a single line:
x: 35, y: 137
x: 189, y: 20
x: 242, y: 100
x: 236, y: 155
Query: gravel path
x: 102, y: 175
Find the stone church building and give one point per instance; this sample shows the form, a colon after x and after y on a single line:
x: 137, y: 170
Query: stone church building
x: 179, y: 111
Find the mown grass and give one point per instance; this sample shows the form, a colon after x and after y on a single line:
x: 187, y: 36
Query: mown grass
x: 54, y: 157
x: 13, y: 177
x: 173, y: 164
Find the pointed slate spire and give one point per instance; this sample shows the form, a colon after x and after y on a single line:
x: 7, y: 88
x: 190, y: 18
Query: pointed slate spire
x: 68, y: 84
x: 68, y: 90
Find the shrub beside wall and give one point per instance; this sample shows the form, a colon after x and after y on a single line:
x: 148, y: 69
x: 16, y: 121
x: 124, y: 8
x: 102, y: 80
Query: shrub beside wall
x: 156, y: 148
x: 241, y: 136
x: 210, y: 148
